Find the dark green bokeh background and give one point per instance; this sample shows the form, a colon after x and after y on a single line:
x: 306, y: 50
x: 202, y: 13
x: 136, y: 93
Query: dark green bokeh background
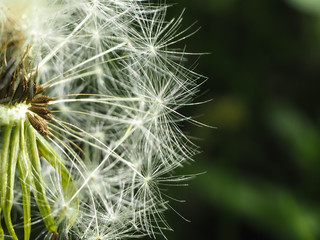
x: 262, y: 163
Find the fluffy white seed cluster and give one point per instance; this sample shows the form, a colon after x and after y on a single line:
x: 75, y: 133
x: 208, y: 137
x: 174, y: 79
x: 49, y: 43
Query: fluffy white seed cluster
x: 117, y: 82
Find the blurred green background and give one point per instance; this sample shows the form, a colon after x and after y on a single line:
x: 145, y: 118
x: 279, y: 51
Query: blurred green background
x: 262, y: 163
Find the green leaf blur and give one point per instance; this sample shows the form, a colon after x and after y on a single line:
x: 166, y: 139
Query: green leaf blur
x: 262, y: 163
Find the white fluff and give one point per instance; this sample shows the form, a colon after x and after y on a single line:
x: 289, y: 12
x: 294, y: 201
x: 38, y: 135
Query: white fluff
x: 118, y: 83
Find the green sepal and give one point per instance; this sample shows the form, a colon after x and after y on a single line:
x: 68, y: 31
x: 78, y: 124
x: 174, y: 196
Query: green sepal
x: 37, y: 180
x: 26, y: 198
x: 5, y: 134
x: 4, y: 163
x: 25, y: 181
x: 12, y: 164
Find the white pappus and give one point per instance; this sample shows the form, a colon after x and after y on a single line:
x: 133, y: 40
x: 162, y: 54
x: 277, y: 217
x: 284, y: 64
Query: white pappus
x: 89, y: 122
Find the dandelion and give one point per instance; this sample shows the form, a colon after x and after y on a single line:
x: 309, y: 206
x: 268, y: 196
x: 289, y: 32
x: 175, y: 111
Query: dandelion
x: 89, y: 123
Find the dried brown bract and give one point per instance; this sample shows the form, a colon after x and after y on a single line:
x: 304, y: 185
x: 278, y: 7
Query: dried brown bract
x: 18, y: 85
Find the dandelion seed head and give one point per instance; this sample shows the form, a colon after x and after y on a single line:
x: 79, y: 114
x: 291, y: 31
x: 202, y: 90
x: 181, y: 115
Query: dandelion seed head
x: 106, y: 122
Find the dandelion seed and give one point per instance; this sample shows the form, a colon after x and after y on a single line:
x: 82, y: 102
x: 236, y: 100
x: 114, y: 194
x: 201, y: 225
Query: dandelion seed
x: 89, y: 99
